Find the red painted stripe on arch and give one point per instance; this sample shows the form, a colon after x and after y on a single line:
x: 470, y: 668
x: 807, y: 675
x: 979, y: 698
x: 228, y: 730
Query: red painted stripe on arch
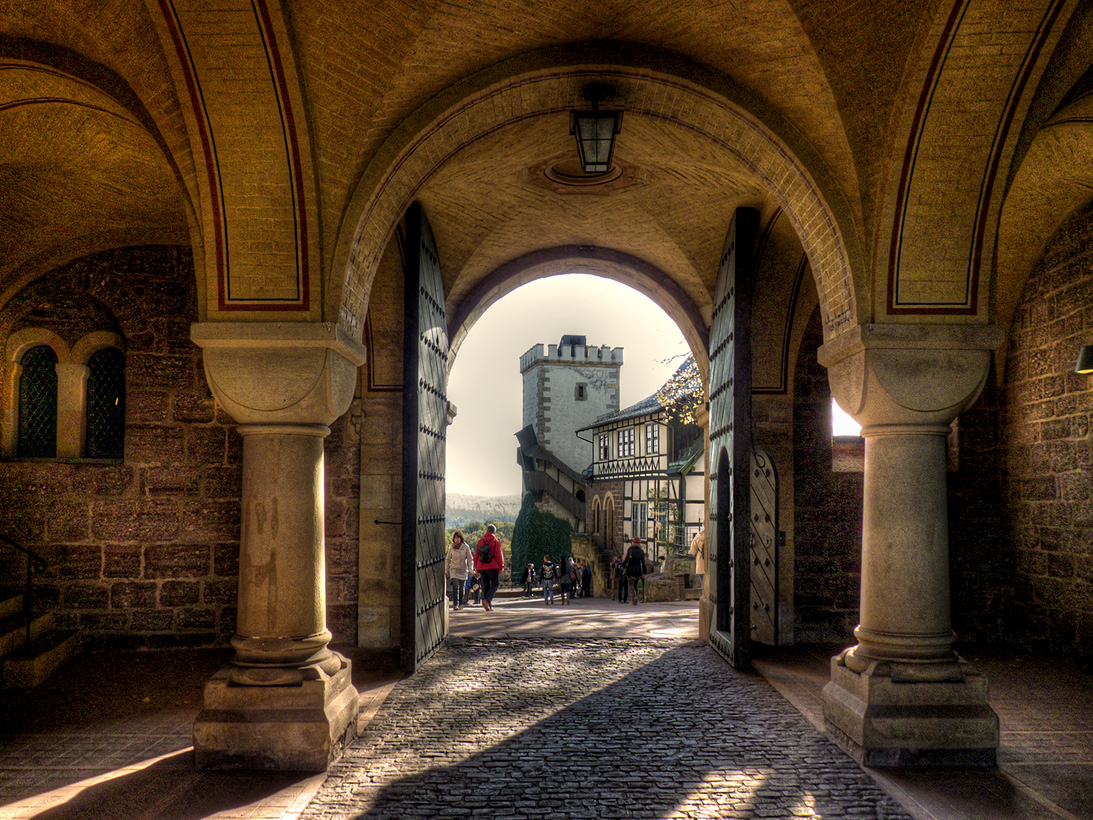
x: 909, y: 154
x: 294, y: 143
x: 168, y: 11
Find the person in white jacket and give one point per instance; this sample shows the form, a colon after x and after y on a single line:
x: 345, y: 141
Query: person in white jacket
x: 458, y: 564
x: 698, y: 550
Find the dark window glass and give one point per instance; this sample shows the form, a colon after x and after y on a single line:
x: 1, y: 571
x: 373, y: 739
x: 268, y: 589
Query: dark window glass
x: 38, y: 404
x: 106, y: 404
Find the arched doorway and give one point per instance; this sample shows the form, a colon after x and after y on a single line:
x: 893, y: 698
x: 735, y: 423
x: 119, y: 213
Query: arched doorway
x: 458, y: 160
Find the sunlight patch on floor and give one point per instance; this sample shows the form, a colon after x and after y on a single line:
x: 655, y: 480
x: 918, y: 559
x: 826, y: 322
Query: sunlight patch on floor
x: 721, y: 794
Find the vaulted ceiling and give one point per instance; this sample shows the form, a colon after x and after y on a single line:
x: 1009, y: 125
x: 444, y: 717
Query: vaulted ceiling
x: 103, y: 105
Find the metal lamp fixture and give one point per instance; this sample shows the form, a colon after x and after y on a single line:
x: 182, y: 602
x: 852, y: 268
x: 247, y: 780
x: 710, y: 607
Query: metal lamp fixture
x: 595, y: 130
x: 1085, y: 360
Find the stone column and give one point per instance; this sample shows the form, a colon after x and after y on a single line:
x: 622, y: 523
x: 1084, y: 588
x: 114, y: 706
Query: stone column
x: 286, y: 700
x: 901, y: 696
x: 71, y: 409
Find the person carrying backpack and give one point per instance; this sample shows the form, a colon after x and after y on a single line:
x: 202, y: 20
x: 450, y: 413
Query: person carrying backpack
x: 549, y: 573
x: 488, y: 562
x: 635, y: 568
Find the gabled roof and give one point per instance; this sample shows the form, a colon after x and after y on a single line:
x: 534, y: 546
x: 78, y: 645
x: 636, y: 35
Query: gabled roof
x: 643, y: 408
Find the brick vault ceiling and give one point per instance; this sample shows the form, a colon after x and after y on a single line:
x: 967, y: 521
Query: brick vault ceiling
x: 489, y: 205
x: 78, y: 172
x: 81, y: 173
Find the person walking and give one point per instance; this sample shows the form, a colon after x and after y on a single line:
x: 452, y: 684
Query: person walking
x: 586, y: 580
x: 565, y: 582
x: 635, y: 568
x: 488, y: 562
x: 458, y: 564
x: 547, y: 576
x: 620, y: 580
x: 528, y: 580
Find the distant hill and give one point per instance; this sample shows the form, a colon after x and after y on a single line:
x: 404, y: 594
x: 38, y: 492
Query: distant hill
x: 464, y: 508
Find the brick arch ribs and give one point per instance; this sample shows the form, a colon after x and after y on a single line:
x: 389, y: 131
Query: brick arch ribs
x: 512, y: 93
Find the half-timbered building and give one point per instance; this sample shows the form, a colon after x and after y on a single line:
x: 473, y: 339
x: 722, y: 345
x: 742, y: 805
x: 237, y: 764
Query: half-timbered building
x: 651, y: 468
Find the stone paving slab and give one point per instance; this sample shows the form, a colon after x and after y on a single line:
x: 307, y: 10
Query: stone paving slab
x: 592, y: 728
x: 583, y: 618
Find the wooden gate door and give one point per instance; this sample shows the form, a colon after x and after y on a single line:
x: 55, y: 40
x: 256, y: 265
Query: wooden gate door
x: 730, y: 442
x: 424, y: 426
x: 764, y: 548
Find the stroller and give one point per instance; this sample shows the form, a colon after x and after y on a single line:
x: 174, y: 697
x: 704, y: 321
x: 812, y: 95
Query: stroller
x: 473, y: 593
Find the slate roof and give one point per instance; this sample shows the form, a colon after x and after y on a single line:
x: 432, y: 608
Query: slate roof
x: 643, y: 408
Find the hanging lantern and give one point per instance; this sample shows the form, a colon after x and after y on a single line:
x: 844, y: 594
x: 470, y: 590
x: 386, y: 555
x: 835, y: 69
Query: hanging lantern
x: 595, y: 131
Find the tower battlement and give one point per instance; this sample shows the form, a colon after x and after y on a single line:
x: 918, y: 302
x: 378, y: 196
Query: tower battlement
x: 570, y: 354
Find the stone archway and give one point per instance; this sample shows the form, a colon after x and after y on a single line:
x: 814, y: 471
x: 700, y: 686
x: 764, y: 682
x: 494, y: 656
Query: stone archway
x: 547, y: 83
x: 618, y: 266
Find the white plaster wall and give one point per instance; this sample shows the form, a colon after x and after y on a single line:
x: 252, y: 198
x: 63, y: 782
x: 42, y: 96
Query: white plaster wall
x: 551, y: 376
x: 564, y: 415
x: 531, y: 397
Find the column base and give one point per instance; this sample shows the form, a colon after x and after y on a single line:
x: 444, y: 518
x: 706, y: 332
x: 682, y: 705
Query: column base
x: 901, y: 715
x: 301, y: 727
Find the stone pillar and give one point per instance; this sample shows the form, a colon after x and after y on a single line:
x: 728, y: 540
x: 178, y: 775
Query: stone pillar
x: 71, y: 409
x: 902, y: 696
x: 285, y: 701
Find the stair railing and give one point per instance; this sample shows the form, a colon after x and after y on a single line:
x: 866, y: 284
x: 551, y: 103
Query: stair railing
x: 35, y: 563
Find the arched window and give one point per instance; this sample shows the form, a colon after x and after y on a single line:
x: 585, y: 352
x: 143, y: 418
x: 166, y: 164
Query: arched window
x: 106, y: 404
x: 38, y: 404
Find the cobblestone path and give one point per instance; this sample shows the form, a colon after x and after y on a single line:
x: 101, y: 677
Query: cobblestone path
x: 592, y: 729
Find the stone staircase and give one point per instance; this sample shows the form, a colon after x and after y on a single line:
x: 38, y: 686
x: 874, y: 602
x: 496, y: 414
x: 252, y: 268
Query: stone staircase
x: 25, y: 663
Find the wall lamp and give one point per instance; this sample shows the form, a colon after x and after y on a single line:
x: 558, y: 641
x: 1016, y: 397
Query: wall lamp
x: 595, y: 130
x: 1085, y: 360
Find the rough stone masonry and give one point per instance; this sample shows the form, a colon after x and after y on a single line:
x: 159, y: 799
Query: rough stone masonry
x: 592, y: 729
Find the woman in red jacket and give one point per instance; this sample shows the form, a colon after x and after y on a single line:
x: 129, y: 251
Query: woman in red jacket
x: 488, y: 562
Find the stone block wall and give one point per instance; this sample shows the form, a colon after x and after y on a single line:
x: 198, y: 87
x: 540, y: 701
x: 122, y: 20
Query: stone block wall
x: 144, y: 552
x: 827, y: 511
x: 979, y: 557
x: 342, y: 461
x: 603, y: 490
x: 1047, y: 416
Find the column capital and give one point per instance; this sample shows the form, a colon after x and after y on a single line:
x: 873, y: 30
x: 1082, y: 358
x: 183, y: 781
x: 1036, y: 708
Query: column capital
x: 280, y: 372
x: 922, y: 375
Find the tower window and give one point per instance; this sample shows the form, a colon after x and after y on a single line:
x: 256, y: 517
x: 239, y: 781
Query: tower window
x: 38, y: 404
x: 581, y: 393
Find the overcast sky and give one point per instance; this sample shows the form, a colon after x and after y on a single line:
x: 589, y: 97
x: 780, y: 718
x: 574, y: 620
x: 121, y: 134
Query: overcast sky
x: 485, y: 383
